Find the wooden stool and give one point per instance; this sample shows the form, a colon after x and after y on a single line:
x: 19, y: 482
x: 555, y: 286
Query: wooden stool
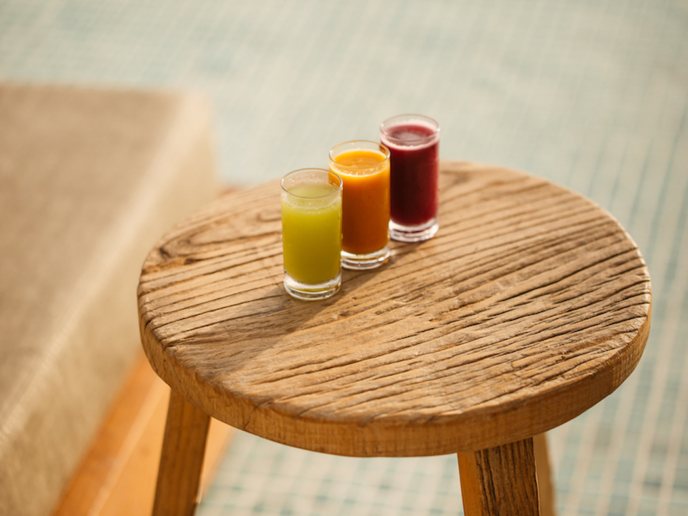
x: 530, y: 306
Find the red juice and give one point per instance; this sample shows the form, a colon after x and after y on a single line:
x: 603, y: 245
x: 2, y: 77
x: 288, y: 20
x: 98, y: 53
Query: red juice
x: 413, y: 141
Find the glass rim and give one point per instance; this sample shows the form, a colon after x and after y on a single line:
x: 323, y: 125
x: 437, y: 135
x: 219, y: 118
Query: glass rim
x: 339, y: 184
x: 381, y: 147
x: 392, y: 121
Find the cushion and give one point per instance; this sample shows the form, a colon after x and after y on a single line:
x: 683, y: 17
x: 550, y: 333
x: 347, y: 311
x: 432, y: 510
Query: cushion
x: 89, y: 178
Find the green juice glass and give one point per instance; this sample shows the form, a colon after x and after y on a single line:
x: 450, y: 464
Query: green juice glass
x: 312, y: 233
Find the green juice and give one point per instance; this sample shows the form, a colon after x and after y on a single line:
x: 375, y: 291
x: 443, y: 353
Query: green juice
x: 311, y: 232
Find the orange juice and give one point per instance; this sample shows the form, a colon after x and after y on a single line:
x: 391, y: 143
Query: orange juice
x: 364, y: 170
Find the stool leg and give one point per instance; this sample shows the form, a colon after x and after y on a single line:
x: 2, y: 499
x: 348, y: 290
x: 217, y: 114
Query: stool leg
x: 181, y: 459
x: 499, y: 480
x: 544, y: 475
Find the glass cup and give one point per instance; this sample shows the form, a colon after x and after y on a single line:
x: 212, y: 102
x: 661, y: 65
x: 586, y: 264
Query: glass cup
x: 312, y: 233
x: 364, y: 169
x: 413, y: 142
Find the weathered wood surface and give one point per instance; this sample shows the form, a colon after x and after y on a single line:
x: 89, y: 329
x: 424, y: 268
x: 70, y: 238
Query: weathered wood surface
x: 529, y: 306
x: 500, y: 480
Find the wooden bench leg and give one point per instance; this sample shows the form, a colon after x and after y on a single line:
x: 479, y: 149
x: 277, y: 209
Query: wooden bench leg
x: 544, y: 475
x: 181, y: 459
x: 499, y: 480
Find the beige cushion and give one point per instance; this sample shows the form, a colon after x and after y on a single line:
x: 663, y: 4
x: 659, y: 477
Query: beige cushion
x: 89, y: 179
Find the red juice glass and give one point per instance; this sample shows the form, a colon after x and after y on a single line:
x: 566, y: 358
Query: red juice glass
x: 413, y: 142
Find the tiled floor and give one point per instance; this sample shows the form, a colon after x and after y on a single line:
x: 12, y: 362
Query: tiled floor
x: 591, y: 94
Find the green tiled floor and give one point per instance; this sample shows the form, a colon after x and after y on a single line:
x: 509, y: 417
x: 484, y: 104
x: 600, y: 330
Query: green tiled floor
x: 266, y: 478
x: 591, y: 94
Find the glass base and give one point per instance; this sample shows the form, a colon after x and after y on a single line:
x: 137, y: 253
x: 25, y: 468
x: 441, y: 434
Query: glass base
x: 308, y: 292
x: 418, y: 233
x: 359, y: 262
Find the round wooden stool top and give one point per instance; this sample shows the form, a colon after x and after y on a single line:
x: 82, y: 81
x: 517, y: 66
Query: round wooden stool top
x: 529, y: 306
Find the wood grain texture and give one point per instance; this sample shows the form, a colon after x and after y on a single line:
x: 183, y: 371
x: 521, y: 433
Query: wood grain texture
x: 529, y: 306
x: 545, y: 475
x: 500, y: 480
x: 183, y: 450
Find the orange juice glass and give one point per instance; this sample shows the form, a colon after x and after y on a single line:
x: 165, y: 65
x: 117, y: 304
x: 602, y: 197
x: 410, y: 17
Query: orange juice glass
x: 364, y: 169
